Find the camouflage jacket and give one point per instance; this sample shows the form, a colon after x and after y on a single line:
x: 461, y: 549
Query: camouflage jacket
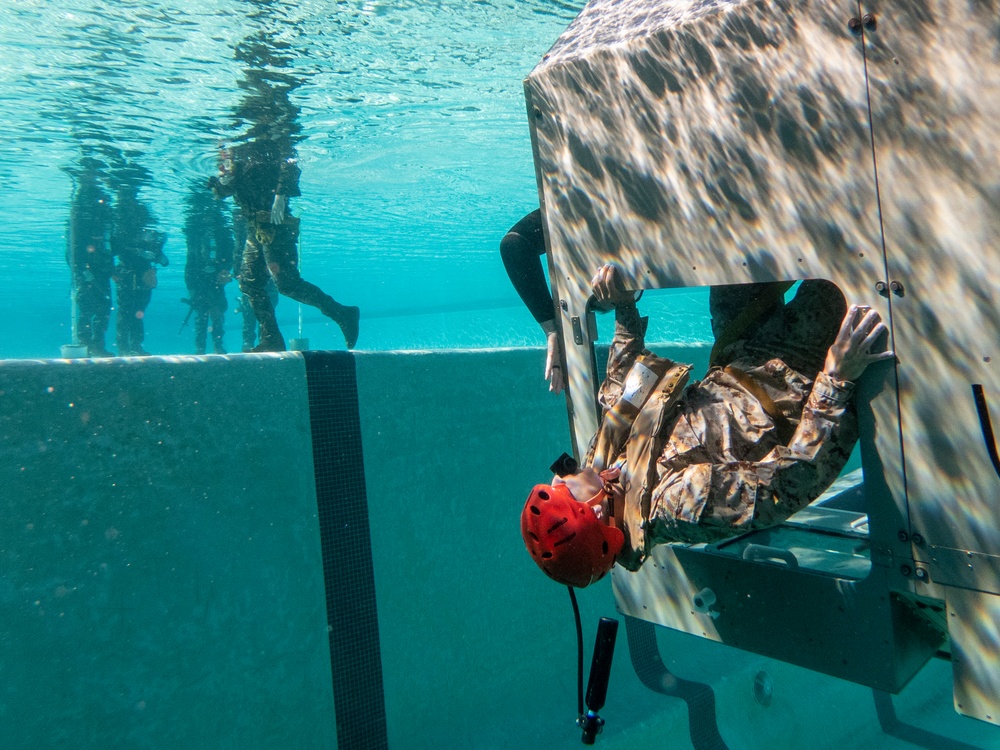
x: 728, y: 465
x: 260, y: 171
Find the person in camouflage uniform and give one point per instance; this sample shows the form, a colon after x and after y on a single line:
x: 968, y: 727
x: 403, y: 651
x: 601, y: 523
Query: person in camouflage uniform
x: 209, y: 266
x: 138, y: 246
x: 762, y: 435
x: 90, y: 258
x: 261, y: 179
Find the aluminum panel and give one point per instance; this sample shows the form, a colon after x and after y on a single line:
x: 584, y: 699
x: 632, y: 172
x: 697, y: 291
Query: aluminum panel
x: 934, y: 72
x: 974, y: 627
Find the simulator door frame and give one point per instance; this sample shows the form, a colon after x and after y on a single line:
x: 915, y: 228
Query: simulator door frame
x: 719, y: 143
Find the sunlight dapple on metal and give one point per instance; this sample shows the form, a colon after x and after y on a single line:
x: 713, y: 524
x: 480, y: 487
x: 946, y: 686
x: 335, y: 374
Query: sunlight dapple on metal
x: 716, y: 142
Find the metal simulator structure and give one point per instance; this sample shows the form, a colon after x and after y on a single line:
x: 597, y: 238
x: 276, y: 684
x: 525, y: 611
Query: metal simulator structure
x: 704, y: 142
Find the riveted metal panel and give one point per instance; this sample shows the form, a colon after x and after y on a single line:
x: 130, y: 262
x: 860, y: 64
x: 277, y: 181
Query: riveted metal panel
x: 973, y: 619
x: 934, y: 76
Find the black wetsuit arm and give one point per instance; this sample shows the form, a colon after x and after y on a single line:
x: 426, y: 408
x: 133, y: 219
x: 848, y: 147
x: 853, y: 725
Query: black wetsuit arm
x: 521, y: 250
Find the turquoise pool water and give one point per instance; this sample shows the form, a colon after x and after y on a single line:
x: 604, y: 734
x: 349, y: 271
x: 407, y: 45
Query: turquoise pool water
x: 413, y: 144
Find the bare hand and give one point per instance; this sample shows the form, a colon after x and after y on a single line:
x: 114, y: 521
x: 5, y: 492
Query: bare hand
x: 852, y: 350
x: 553, y: 363
x: 278, y: 210
x: 225, y: 166
x: 609, y: 288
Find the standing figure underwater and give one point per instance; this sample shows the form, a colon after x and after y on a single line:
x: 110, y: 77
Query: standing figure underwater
x: 762, y: 435
x: 208, y: 268
x: 138, y: 247
x: 90, y: 259
x: 261, y: 180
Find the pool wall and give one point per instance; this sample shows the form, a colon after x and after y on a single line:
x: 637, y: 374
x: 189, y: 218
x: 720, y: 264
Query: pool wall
x: 163, y: 580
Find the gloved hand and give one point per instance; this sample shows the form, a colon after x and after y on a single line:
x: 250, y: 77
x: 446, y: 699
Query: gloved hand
x: 156, y: 256
x: 278, y: 209
x: 553, y: 358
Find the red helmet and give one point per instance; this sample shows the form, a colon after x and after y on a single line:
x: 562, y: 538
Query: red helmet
x: 566, y: 538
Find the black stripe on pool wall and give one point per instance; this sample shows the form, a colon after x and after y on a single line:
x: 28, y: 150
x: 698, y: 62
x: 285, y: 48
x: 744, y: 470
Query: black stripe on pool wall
x: 355, y: 654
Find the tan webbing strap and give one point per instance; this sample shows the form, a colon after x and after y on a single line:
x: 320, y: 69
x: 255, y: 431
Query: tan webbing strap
x: 645, y: 443
x: 616, y: 423
x: 766, y: 402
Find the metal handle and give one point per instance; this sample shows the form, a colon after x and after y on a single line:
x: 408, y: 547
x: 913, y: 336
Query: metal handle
x: 758, y: 552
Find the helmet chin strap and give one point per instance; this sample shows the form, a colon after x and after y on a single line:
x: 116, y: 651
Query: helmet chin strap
x: 606, y: 493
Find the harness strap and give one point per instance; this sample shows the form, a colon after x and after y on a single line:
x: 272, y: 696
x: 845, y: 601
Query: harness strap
x: 766, y: 402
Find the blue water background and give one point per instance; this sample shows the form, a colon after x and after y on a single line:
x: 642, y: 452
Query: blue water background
x: 415, y: 155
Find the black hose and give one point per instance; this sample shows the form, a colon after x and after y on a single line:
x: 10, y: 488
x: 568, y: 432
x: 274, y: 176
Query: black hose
x: 579, y: 652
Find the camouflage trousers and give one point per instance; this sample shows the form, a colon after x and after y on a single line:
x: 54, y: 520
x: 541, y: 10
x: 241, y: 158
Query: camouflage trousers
x: 133, y: 300
x: 93, y: 304
x: 209, y: 306
x: 798, y: 332
x: 277, y: 260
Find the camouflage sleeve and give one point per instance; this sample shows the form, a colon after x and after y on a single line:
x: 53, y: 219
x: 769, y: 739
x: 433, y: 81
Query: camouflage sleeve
x: 627, y: 345
x: 288, y: 179
x: 801, y: 471
x: 706, y: 501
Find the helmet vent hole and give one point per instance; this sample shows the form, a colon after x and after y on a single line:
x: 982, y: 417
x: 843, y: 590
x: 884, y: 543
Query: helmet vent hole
x: 542, y: 494
x: 532, y: 535
x: 546, y: 555
x: 556, y: 525
x: 534, y: 509
x: 604, y: 548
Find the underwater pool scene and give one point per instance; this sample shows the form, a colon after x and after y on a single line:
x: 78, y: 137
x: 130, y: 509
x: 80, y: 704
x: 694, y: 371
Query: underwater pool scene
x: 409, y: 124
x: 315, y: 544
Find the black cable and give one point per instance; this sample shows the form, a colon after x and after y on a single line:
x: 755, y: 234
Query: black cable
x: 579, y: 653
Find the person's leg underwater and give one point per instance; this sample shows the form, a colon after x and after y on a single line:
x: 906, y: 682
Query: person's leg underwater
x: 94, y: 310
x: 125, y: 282
x: 283, y: 264
x: 519, y: 251
x: 803, y: 330
x: 253, y: 283
x: 200, y: 329
x: 217, y: 319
